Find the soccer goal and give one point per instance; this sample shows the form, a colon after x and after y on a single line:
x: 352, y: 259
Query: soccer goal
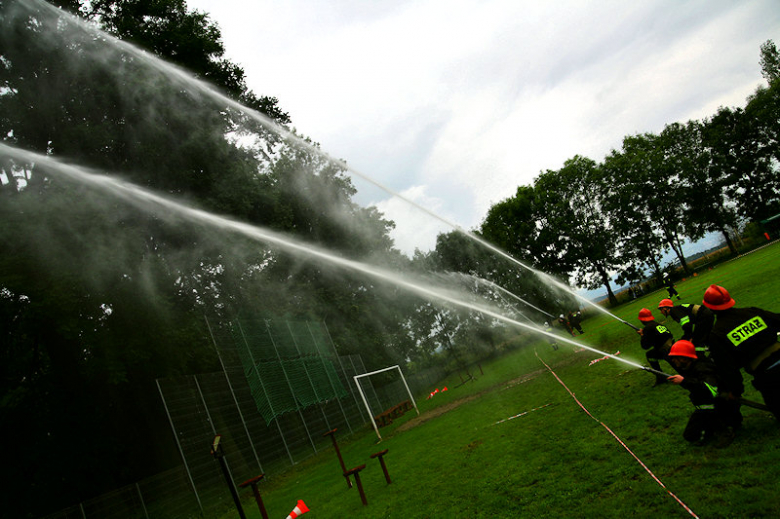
x: 377, y: 417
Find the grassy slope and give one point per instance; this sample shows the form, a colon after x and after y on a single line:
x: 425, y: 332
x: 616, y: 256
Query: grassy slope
x: 557, y: 461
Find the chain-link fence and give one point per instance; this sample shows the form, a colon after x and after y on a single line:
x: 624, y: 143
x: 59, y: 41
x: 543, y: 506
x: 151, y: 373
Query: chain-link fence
x: 282, y: 387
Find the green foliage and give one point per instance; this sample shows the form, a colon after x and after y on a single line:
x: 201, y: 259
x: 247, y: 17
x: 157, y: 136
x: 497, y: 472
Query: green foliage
x: 587, y: 219
x: 770, y: 61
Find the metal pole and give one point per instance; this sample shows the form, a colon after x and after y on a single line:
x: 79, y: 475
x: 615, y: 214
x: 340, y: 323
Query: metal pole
x: 311, y: 382
x: 407, y: 390
x: 332, y: 386
x: 141, y: 497
x: 373, y: 389
x: 343, y: 371
x: 222, y: 461
x: 233, y: 394
x: 368, y: 409
x: 178, y: 444
x: 231, y: 486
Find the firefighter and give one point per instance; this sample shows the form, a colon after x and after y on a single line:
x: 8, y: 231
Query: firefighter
x: 548, y: 328
x: 657, y: 340
x: 670, y: 286
x: 710, y: 419
x: 696, y: 322
x: 575, y: 318
x: 745, y: 338
x: 565, y: 323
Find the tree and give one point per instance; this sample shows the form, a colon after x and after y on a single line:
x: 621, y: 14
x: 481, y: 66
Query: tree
x: 744, y: 149
x: 704, y: 183
x: 770, y: 62
x: 639, y: 246
x: 519, y: 227
x: 651, y: 171
x: 572, y: 199
x: 98, y: 299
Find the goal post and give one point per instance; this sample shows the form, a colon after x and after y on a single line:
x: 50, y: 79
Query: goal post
x: 365, y: 401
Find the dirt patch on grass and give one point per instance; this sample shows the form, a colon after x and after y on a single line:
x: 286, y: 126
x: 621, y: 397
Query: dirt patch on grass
x: 446, y: 408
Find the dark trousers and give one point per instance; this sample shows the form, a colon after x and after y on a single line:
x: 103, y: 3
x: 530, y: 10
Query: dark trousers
x: 653, y: 357
x: 768, y: 383
x: 702, y: 425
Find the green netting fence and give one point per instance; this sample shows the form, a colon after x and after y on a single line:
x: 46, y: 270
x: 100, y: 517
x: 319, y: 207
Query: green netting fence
x: 289, y: 366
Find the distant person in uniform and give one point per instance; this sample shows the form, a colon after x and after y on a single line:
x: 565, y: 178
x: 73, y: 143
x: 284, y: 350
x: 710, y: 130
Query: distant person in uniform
x: 670, y: 286
x: 548, y: 328
x: 565, y: 323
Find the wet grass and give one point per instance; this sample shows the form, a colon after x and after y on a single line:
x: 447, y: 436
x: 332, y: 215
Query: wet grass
x: 556, y: 461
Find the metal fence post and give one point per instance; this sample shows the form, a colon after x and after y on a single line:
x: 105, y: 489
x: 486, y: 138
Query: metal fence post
x: 292, y: 391
x: 141, y: 497
x: 262, y: 386
x: 178, y: 444
x: 233, y: 394
x: 311, y: 382
x: 333, y: 387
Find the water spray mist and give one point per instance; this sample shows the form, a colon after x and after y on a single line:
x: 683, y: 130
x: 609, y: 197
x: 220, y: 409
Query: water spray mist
x: 196, y: 86
x: 147, y: 200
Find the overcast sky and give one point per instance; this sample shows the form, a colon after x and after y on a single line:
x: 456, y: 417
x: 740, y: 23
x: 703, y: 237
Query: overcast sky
x: 455, y: 103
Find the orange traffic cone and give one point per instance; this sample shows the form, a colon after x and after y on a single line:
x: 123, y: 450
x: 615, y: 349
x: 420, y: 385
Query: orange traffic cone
x: 298, y: 510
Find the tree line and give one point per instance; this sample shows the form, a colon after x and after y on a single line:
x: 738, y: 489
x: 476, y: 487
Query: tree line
x: 589, y: 219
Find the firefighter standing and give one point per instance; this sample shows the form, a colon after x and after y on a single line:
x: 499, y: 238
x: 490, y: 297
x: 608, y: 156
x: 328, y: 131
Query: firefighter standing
x: 745, y: 338
x: 551, y: 340
x: 696, y: 322
x: 657, y: 340
x: 698, y: 375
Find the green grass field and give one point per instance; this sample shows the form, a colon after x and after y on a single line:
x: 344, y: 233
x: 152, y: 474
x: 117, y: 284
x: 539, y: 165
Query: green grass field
x: 456, y: 461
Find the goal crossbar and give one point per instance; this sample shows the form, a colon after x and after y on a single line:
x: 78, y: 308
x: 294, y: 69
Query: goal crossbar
x: 365, y: 401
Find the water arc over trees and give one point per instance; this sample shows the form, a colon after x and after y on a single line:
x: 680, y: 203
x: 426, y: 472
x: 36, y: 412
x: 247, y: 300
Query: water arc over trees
x: 194, y: 86
x: 147, y: 200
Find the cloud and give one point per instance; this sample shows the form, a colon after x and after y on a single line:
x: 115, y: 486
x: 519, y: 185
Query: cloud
x: 459, y: 102
x: 414, y: 228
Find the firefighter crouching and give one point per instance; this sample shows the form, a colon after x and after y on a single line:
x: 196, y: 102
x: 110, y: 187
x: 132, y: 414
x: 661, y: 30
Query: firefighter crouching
x: 711, y: 418
x: 745, y: 338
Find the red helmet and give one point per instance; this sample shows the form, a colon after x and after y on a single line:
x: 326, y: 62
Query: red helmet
x: 717, y: 298
x: 683, y: 348
x: 666, y: 303
x: 646, y: 315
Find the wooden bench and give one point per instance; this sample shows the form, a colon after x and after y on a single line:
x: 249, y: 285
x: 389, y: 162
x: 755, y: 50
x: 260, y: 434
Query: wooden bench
x: 386, y: 417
